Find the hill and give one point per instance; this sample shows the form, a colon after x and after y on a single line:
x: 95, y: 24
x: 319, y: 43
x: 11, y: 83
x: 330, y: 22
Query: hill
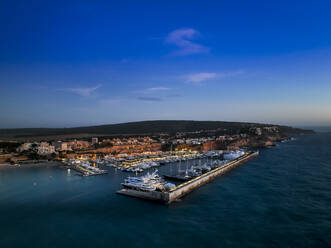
x: 141, y: 128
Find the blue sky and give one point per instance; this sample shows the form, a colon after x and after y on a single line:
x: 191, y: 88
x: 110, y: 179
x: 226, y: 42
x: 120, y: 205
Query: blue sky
x: 75, y: 63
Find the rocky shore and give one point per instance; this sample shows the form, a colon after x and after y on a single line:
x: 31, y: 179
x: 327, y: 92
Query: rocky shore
x: 254, y: 142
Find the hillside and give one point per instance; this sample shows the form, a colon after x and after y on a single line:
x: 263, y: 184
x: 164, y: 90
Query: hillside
x: 140, y: 128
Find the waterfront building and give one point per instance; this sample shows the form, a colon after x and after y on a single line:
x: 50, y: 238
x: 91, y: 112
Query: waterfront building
x: 45, y: 149
x: 61, y: 146
x: 210, y: 146
x: 24, y: 147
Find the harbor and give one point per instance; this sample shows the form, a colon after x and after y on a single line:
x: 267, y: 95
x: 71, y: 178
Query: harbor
x: 168, y: 193
x: 258, y: 192
x: 84, y: 168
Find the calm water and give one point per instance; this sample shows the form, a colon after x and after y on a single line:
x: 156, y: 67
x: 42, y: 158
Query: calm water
x: 280, y: 199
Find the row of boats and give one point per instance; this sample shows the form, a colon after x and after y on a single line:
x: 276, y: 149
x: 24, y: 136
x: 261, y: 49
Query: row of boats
x: 194, y: 170
x: 153, y: 182
x: 141, y: 166
x: 85, y: 167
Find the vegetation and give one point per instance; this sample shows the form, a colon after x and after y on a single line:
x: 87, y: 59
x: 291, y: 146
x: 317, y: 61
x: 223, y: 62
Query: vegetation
x: 9, y: 146
x: 143, y: 128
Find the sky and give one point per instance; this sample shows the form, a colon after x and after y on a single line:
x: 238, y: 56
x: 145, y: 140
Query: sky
x: 78, y: 63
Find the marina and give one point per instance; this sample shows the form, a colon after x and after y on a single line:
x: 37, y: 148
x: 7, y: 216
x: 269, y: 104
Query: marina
x: 170, y: 193
x: 249, y: 206
x: 139, y: 164
x: 84, y: 168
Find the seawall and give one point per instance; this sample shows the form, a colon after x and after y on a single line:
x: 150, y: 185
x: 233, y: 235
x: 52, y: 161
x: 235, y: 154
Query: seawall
x: 185, y: 188
x: 188, y: 186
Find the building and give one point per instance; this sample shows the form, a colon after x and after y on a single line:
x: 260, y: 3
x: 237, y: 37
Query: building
x: 78, y: 144
x: 210, y: 146
x: 45, y: 149
x: 24, y: 147
x: 94, y: 141
x: 256, y: 130
x: 61, y: 146
x: 272, y: 129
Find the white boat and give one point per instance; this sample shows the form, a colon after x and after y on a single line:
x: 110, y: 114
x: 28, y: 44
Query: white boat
x: 148, y: 182
x: 231, y: 155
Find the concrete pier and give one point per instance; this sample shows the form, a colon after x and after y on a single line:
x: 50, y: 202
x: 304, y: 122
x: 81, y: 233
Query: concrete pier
x: 85, y: 172
x: 185, y: 188
x: 151, y: 195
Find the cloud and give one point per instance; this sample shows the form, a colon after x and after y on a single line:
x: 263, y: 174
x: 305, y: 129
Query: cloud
x: 157, y: 89
x: 83, y: 91
x: 149, y: 99
x: 182, y: 38
x: 152, y: 90
x: 200, y: 77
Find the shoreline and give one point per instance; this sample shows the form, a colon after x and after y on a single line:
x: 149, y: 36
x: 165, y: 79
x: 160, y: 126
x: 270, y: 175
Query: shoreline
x: 32, y: 165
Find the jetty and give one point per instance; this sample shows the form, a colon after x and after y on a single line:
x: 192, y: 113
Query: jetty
x: 183, y: 189
x: 87, y: 172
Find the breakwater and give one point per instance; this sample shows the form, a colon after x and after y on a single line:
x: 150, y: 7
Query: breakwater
x: 185, y: 188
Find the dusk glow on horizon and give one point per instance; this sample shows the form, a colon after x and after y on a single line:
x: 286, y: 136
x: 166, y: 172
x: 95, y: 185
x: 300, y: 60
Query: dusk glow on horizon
x: 64, y: 64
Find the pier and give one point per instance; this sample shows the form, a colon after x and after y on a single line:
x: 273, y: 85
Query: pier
x: 86, y: 172
x: 188, y: 186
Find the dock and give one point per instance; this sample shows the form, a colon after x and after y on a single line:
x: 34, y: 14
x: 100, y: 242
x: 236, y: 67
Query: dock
x: 183, y: 189
x: 178, y: 177
x: 85, y: 172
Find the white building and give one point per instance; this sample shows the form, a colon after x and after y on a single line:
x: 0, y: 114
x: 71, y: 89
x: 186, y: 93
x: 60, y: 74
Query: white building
x: 258, y: 131
x: 61, y: 146
x: 24, y: 147
x: 44, y: 149
x: 94, y: 141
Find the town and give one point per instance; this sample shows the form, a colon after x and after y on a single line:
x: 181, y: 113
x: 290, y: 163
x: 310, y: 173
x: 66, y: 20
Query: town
x: 136, y: 153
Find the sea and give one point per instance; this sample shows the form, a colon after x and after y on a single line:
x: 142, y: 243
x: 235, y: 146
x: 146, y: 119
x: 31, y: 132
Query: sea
x: 282, y: 198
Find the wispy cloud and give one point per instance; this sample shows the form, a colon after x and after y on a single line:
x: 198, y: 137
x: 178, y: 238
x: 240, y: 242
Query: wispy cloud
x: 182, y: 38
x: 149, y: 99
x: 83, y: 91
x: 198, y: 78
x: 152, y: 90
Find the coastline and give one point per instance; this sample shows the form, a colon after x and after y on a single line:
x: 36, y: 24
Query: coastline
x: 32, y: 165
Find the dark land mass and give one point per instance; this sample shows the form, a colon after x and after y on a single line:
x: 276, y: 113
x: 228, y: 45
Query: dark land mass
x: 145, y: 128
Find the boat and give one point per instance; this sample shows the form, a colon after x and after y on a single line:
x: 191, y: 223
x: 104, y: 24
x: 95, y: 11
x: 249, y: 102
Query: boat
x: 148, y: 182
x: 232, y: 155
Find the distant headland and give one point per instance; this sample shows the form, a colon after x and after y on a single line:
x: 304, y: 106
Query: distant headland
x: 154, y: 127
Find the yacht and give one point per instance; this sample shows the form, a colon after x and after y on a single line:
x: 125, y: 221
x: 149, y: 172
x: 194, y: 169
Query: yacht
x: 231, y: 155
x: 148, y: 182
